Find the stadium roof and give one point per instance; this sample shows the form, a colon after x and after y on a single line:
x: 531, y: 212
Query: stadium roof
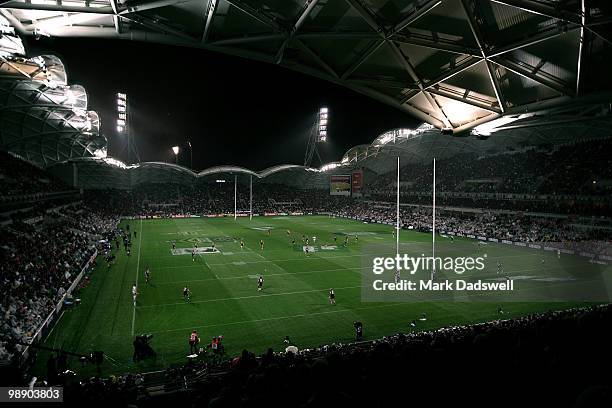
x: 451, y: 63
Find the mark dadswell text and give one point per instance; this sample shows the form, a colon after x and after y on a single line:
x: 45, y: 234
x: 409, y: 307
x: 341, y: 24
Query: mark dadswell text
x: 458, y: 285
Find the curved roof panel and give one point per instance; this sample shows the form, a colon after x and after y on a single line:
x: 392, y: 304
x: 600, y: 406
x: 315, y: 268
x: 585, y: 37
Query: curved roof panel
x: 451, y: 63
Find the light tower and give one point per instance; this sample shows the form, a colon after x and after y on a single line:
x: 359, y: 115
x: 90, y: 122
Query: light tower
x: 123, y: 126
x: 318, y: 134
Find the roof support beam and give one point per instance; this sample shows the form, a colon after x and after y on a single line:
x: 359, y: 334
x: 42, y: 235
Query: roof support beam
x: 367, y: 16
x: 367, y: 54
x: 527, y: 72
x: 415, y: 77
x: 310, y: 4
x: 451, y: 73
x: 56, y: 7
x: 150, y: 5
x: 418, y: 13
x: 463, y: 99
x: 281, y: 51
x: 117, y: 23
x: 544, y: 8
x: 256, y: 14
x: 406, y: 108
x: 116, y: 19
x: 316, y: 57
x: 435, y: 45
x: 13, y: 20
x: 470, y: 12
x: 340, y: 35
x: 155, y: 25
x: 248, y: 39
x: 477, y: 122
x: 208, y: 19
x: 538, y: 38
x: 581, y: 47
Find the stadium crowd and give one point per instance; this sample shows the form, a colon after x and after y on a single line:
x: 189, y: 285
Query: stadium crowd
x: 572, y: 169
x: 560, y: 358
x: 39, y: 260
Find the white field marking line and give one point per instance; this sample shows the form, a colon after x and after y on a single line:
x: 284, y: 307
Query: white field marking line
x: 322, y: 290
x: 323, y: 313
x: 281, y: 317
x: 247, y: 297
x: 326, y: 312
x: 55, y: 325
x: 324, y: 258
x: 321, y: 271
x: 271, y: 274
x: 137, y: 268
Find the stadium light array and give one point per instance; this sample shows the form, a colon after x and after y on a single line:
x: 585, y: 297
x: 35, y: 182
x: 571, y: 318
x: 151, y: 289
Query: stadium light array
x: 121, y: 112
x: 323, y: 120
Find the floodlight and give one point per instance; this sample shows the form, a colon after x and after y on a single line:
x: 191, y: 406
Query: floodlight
x: 323, y: 110
x: 120, y: 122
x: 175, y: 149
x: 119, y: 129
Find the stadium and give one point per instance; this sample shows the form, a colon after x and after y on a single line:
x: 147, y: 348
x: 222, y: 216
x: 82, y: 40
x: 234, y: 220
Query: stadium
x: 306, y: 202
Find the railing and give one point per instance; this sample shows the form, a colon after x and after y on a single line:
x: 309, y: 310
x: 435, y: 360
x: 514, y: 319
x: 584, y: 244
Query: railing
x: 51, y: 318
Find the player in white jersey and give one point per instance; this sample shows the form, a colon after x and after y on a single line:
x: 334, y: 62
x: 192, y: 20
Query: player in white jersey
x: 134, y: 293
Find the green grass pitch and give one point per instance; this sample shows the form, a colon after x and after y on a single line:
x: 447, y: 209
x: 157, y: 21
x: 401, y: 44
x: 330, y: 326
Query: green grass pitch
x: 225, y: 300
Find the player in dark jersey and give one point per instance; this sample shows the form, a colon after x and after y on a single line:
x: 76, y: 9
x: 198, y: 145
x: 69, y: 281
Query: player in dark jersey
x: 173, y: 244
x: 293, y: 241
x: 241, y: 244
x: 332, y: 297
x: 147, y: 275
x: 261, y: 244
x: 193, y: 254
x: 335, y: 239
x: 260, y: 283
x: 269, y: 231
x: 186, y: 294
x: 194, y: 339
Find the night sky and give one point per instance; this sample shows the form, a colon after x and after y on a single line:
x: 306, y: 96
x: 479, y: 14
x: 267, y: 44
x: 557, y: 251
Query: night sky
x: 233, y: 110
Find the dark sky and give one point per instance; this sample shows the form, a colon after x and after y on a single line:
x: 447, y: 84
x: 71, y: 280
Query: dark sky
x: 233, y: 110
